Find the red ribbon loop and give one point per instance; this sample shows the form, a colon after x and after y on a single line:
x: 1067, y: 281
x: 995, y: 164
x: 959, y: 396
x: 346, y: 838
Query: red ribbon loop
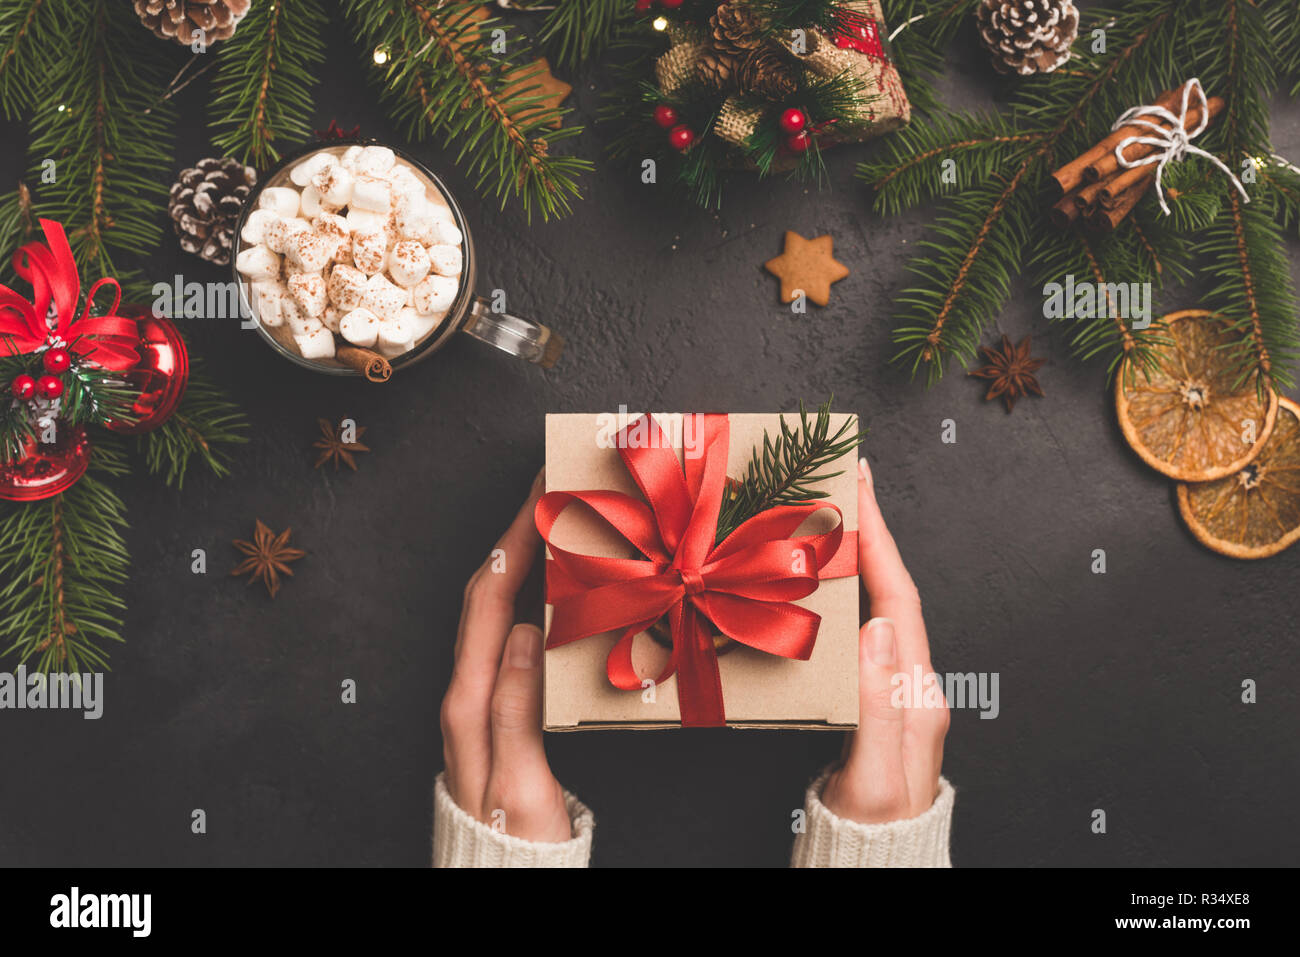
x: 745, y: 586
x: 109, y: 340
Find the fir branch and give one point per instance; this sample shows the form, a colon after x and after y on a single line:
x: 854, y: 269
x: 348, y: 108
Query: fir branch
x: 921, y: 29
x: 28, y: 29
x: 202, y: 426
x: 443, y: 79
x: 61, y: 561
x: 788, y: 469
x: 578, y: 31
x: 265, y: 77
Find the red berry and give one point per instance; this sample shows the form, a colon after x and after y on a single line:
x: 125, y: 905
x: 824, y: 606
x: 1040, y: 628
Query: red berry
x: 792, y: 121
x: 799, y: 142
x: 57, y: 361
x: 671, y: 4
x: 681, y: 137
x: 49, y: 387
x: 23, y: 387
x: 643, y: 6
x: 665, y: 116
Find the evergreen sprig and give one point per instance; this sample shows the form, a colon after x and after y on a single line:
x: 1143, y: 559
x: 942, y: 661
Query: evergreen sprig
x: 265, y: 76
x: 28, y: 30
x: 578, y: 31
x: 788, y: 469
x: 992, y: 227
x: 444, y: 79
x: 204, y: 426
x: 61, y: 563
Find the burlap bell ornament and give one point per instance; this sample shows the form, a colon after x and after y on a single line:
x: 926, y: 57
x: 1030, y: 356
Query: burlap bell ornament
x: 883, y: 106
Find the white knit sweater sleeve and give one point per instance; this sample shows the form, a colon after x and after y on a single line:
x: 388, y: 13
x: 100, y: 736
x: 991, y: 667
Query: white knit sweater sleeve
x: 831, y: 841
x: 460, y: 840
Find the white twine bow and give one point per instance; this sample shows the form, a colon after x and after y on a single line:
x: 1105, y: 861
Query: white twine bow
x: 1173, y: 142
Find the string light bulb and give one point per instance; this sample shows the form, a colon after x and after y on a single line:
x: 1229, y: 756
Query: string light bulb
x: 381, y: 55
x: 660, y: 23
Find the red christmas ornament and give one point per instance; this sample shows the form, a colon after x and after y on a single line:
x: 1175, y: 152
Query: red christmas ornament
x: 45, y: 469
x: 799, y: 142
x: 49, y: 387
x: 23, y: 387
x: 57, y: 361
x: 643, y: 6
x: 682, y: 138
x: 665, y: 116
x: 792, y: 121
x: 161, y: 375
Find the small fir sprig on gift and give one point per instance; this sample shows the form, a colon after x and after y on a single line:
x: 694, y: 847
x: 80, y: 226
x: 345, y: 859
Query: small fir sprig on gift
x: 788, y: 468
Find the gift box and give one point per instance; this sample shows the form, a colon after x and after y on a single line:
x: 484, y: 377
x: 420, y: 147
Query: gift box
x: 653, y: 623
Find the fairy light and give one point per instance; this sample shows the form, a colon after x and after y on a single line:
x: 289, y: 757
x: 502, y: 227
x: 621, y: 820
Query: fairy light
x: 660, y: 23
x: 381, y: 55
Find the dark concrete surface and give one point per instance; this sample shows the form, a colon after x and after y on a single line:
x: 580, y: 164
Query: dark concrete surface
x: 1118, y: 691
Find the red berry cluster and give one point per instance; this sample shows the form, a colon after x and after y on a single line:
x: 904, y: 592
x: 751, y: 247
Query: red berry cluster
x: 49, y: 386
x: 680, y: 136
x: 794, y: 124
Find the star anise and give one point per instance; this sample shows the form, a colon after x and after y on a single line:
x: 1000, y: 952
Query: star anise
x: 335, y: 449
x: 1011, y: 371
x: 268, y: 557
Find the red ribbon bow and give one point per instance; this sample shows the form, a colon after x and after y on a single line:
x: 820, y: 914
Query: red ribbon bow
x: 745, y: 586
x: 109, y: 340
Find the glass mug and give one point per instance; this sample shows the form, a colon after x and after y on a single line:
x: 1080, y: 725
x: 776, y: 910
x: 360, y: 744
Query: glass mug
x: 468, y: 312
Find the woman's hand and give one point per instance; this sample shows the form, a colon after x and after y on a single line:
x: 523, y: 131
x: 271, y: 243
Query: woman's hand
x: 492, y: 713
x: 891, y: 763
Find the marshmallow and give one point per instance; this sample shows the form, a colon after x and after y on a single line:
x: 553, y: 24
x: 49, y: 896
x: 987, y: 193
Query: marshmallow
x: 268, y: 295
x: 334, y: 183
x: 371, y: 192
x: 350, y: 157
x: 446, y: 260
x: 382, y: 297
x: 334, y: 230
x: 414, y: 219
x: 254, y: 223
x: 408, y: 263
x: 346, y: 286
x: 311, y: 204
x: 281, y: 200
x: 422, y: 325
x: 447, y: 234
x: 310, y: 250
x: 375, y: 160
x: 406, y: 182
x: 301, y: 175
x: 291, y: 268
x: 308, y: 291
x: 395, y: 337
x: 360, y: 327
x: 304, y: 325
x: 440, y: 211
x: 258, y: 262
x: 435, y: 294
x: 330, y: 318
x: 316, y: 345
x: 368, y: 250
x: 278, y: 232
x: 365, y: 220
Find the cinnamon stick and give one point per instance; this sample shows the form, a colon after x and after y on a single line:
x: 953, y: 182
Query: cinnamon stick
x: 1104, y: 220
x: 1114, y: 188
x: 1087, y: 196
x: 1107, y: 164
x: 1071, y: 175
x: 369, y: 364
x: 1064, y: 212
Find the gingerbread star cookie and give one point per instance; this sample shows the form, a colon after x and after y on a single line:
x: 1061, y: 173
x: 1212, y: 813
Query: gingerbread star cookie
x: 551, y: 90
x: 806, y: 266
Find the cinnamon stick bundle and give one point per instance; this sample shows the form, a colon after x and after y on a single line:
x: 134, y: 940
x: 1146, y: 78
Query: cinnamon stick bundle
x: 1108, y: 164
x: 1070, y: 176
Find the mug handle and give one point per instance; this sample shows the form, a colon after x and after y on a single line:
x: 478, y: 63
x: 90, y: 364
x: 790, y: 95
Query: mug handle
x: 519, y: 337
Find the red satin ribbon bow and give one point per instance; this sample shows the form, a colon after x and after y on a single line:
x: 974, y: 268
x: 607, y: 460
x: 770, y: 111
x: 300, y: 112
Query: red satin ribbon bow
x: 745, y: 586
x: 109, y: 340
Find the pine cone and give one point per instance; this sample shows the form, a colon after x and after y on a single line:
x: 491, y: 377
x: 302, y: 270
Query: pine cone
x: 1028, y: 36
x: 181, y: 20
x: 715, y: 69
x: 204, y: 205
x: 767, y: 73
x: 736, y: 30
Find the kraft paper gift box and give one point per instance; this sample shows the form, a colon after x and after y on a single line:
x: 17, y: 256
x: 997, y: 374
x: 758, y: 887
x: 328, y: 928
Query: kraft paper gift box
x: 760, y: 690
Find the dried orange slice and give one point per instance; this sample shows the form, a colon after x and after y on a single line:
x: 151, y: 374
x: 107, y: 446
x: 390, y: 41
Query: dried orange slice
x: 1255, y: 512
x: 1184, y: 416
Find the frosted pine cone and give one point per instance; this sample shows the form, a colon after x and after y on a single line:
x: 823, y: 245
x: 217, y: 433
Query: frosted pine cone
x: 204, y: 206
x: 1028, y: 36
x: 181, y: 20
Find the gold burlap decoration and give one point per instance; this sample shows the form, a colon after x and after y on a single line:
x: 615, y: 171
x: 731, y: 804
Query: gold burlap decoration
x: 883, y: 108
